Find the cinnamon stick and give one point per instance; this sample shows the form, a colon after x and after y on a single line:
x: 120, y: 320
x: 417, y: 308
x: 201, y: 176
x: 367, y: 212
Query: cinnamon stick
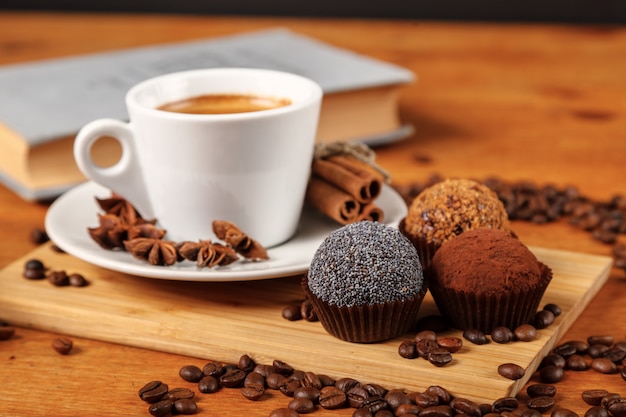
x: 350, y: 175
x: 371, y: 212
x: 332, y: 201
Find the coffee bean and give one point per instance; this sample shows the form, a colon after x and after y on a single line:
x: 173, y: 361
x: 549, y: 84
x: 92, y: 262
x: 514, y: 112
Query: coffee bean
x: 425, y: 335
x: 424, y: 347
x: 423, y: 400
x: 302, y: 405
x: 594, y: 396
x: 395, y: 398
x: 375, y: 389
x: 543, y: 319
x: 623, y: 373
x: 551, y: 374
x: 346, y: 384
x: 375, y: 404
x: 554, y: 308
x: 309, y: 392
x: 62, y: 345
x: 475, y: 336
x: 253, y: 391
x: 153, y: 391
x: 580, y: 346
x: 191, y: 373
x: 246, y: 363
x: 563, y: 412
x: 597, y: 350
x: 577, y: 363
x: 600, y: 340
x: 502, y: 334
x: 438, y: 411
x: 208, y: 385
x: 541, y: 390
x: 553, y: 359
x: 77, y: 280
x: 362, y: 412
x: 609, y: 399
x: 292, y: 313
x: 541, y: 404
x: 439, y: 357
x: 565, y: 350
x: 597, y: 411
x: 356, y: 396
x: 525, y: 332
x: 214, y: 369
x: 284, y: 412
x: 254, y: 378
x: 505, y: 404
x: 38, y: 236
x: 161, y: 408
x: 511, y: 371
x: 180, y: 394
x: 34, y: 269
x: 289, y: 386
x: 466, y: 407
x: 615, y: 354
x: 332, y: 398
x: 185, y: 406
x: 407, y: 410
x: 58, y: 278
x: 307, y: 311
x: 439, y: 392
x: 282, y: 368
x: 233, y: 378
x: 275, y: 380
x: 6, y: 332
x: 408, y: 349
x: 617, y: 408
x: 450, y: 343
x: 604, y: 366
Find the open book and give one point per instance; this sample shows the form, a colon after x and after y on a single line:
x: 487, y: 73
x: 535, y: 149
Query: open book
x: 45, y: 103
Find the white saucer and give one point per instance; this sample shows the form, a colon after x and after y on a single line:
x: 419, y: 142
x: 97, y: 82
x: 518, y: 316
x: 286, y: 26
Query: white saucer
x: 71, y: 214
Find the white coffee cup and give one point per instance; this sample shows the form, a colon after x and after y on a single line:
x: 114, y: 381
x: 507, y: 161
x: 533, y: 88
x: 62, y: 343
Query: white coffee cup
x: 187, y: 170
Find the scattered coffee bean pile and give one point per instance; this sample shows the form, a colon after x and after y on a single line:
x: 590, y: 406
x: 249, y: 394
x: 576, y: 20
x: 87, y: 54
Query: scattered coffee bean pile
x: 527, y: 201
x: 308, y: 392
x: 35, y: 269
x: 438, y: 350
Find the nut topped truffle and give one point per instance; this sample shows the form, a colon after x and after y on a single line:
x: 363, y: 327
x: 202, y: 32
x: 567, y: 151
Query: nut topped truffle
x: 366, y: 282
x: 449, y: 208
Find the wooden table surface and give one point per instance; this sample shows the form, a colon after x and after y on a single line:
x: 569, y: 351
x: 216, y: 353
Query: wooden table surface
x: 520, y: 102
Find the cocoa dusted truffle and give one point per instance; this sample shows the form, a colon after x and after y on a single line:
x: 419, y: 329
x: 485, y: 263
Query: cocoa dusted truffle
x: 487, y: 278
x: 366, y: 282
x: 449, y: 208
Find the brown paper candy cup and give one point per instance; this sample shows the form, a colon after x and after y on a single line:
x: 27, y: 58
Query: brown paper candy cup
x: 367, y: 323
x: 487, y: 311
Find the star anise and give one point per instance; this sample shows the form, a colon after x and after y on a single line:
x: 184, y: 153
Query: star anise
x: 111, y: 232
x: 239, y: 241
x: 207, y: 254
x: 155, y: 251
x: 120, y: 207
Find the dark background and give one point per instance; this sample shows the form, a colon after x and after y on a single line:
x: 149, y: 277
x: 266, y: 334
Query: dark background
x: 557, y: 11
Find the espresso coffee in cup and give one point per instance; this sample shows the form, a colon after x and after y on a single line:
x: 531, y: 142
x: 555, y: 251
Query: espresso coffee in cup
x: 188, y: 169
x: 224, y: 103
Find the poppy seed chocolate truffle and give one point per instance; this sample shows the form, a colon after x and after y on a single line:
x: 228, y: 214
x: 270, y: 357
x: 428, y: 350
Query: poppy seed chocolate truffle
x: 366, y: 282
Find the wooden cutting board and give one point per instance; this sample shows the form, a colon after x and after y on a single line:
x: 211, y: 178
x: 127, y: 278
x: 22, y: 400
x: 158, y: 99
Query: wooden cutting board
x: 223, y: 320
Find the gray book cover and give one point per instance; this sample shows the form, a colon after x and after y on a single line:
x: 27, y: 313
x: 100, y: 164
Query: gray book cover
x: 47, y: 99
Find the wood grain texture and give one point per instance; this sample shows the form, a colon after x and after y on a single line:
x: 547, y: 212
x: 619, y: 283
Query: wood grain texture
x: 523, y: 102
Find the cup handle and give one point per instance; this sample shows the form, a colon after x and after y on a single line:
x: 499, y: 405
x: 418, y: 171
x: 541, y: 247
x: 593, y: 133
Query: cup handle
x: 124, y: 177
